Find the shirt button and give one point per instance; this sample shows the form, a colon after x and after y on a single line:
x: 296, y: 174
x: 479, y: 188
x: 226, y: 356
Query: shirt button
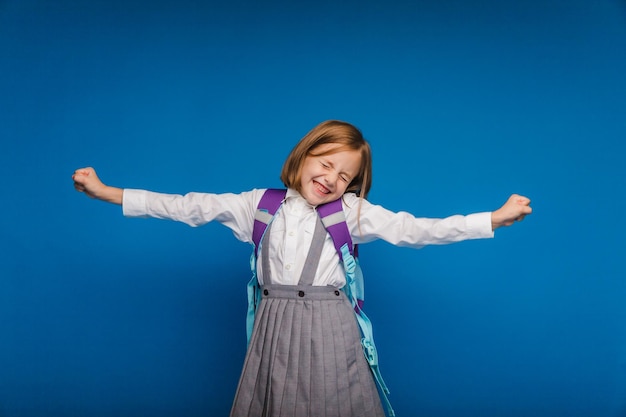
x: 300, y: 293
x: 288, y: 267
x: 292, y: 233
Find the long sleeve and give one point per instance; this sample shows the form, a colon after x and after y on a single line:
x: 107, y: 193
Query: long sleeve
x: 404, y: 229
x: 236, y: 211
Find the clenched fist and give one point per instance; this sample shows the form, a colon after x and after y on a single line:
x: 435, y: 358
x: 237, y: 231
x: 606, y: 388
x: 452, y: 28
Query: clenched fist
x: 86, y: 181
x: 515, y: 209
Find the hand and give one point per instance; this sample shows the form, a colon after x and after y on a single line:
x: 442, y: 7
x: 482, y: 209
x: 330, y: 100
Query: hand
x: 514, y: 210
x: 86, y: 181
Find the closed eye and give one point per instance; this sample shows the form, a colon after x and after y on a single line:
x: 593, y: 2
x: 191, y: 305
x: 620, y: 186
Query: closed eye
x: 342, y: 176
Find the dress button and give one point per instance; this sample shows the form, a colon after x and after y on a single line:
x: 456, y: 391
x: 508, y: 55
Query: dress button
x: 266, y: 292
x: 301, y: 293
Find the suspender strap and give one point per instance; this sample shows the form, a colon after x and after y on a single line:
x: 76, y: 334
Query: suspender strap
x: 265, y: 255
x: 313, y: 258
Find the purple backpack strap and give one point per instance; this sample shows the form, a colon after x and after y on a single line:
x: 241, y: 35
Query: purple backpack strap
x: 267, y: 208
x: 335, y: 222
x: 331, y: 214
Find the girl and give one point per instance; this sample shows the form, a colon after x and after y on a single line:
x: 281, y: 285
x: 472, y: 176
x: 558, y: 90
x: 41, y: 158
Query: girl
x: 305, y: 357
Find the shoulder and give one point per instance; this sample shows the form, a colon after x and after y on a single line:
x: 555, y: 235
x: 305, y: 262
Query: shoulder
x: 244, y: 200
x: 254, y: 196
x: 352, y: 202
x: 355, y: 208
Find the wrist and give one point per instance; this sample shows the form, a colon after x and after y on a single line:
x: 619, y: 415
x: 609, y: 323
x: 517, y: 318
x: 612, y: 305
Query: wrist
x: 500, y: 219
x: 110, y: 194
x: 494, y: 224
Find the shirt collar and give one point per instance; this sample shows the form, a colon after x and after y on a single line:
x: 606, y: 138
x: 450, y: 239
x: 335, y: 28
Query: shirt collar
x: 296, y: 197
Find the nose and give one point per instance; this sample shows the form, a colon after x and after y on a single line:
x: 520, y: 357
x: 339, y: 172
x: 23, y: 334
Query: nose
x: 331, y: 178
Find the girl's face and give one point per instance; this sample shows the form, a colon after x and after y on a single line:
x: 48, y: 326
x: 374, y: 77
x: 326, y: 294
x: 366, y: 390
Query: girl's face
x: 325, y: 178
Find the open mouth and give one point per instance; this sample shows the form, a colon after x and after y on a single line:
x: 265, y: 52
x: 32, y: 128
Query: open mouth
x: 320, y: 188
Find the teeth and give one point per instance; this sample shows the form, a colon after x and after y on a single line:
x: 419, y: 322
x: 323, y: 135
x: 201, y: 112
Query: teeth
x: 321, y: 188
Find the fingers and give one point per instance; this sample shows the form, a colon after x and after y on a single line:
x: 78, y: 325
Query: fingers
x: 525, y: 208
x: 516, y: 208
x: 522, y: 204
x: 520, y: 199
x: 81, y: 177
x: 83, y: 172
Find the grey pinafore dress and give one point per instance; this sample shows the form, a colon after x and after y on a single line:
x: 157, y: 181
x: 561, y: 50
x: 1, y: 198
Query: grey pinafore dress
x: 305, y: 357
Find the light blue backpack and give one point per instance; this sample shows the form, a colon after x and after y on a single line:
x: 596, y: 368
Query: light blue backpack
x: 334, y: 221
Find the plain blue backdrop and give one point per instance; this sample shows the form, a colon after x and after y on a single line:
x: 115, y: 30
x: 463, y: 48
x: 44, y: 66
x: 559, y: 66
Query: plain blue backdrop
x: 463, y: 102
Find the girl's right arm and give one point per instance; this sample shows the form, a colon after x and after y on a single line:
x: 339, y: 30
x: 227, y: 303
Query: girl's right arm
x: 86, y: 181
x: 236, y: 211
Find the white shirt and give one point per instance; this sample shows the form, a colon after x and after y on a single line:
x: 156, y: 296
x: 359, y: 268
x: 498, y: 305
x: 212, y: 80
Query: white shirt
x: 293, y: 226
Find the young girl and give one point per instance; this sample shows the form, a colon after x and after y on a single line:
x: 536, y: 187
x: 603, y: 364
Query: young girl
x: 305, y: 356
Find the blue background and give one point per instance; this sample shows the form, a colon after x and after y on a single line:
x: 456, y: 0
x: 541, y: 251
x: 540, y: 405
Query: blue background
x: 463, y: 103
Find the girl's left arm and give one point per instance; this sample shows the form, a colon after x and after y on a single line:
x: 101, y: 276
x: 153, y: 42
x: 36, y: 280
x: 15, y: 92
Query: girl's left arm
x: 368, y: 222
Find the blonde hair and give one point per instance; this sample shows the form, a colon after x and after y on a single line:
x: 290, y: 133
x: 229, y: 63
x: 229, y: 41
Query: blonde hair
x: 330, y: 132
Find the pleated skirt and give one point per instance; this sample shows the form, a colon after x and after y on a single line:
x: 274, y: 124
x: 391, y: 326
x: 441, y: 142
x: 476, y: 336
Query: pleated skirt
x: 305, y: 358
